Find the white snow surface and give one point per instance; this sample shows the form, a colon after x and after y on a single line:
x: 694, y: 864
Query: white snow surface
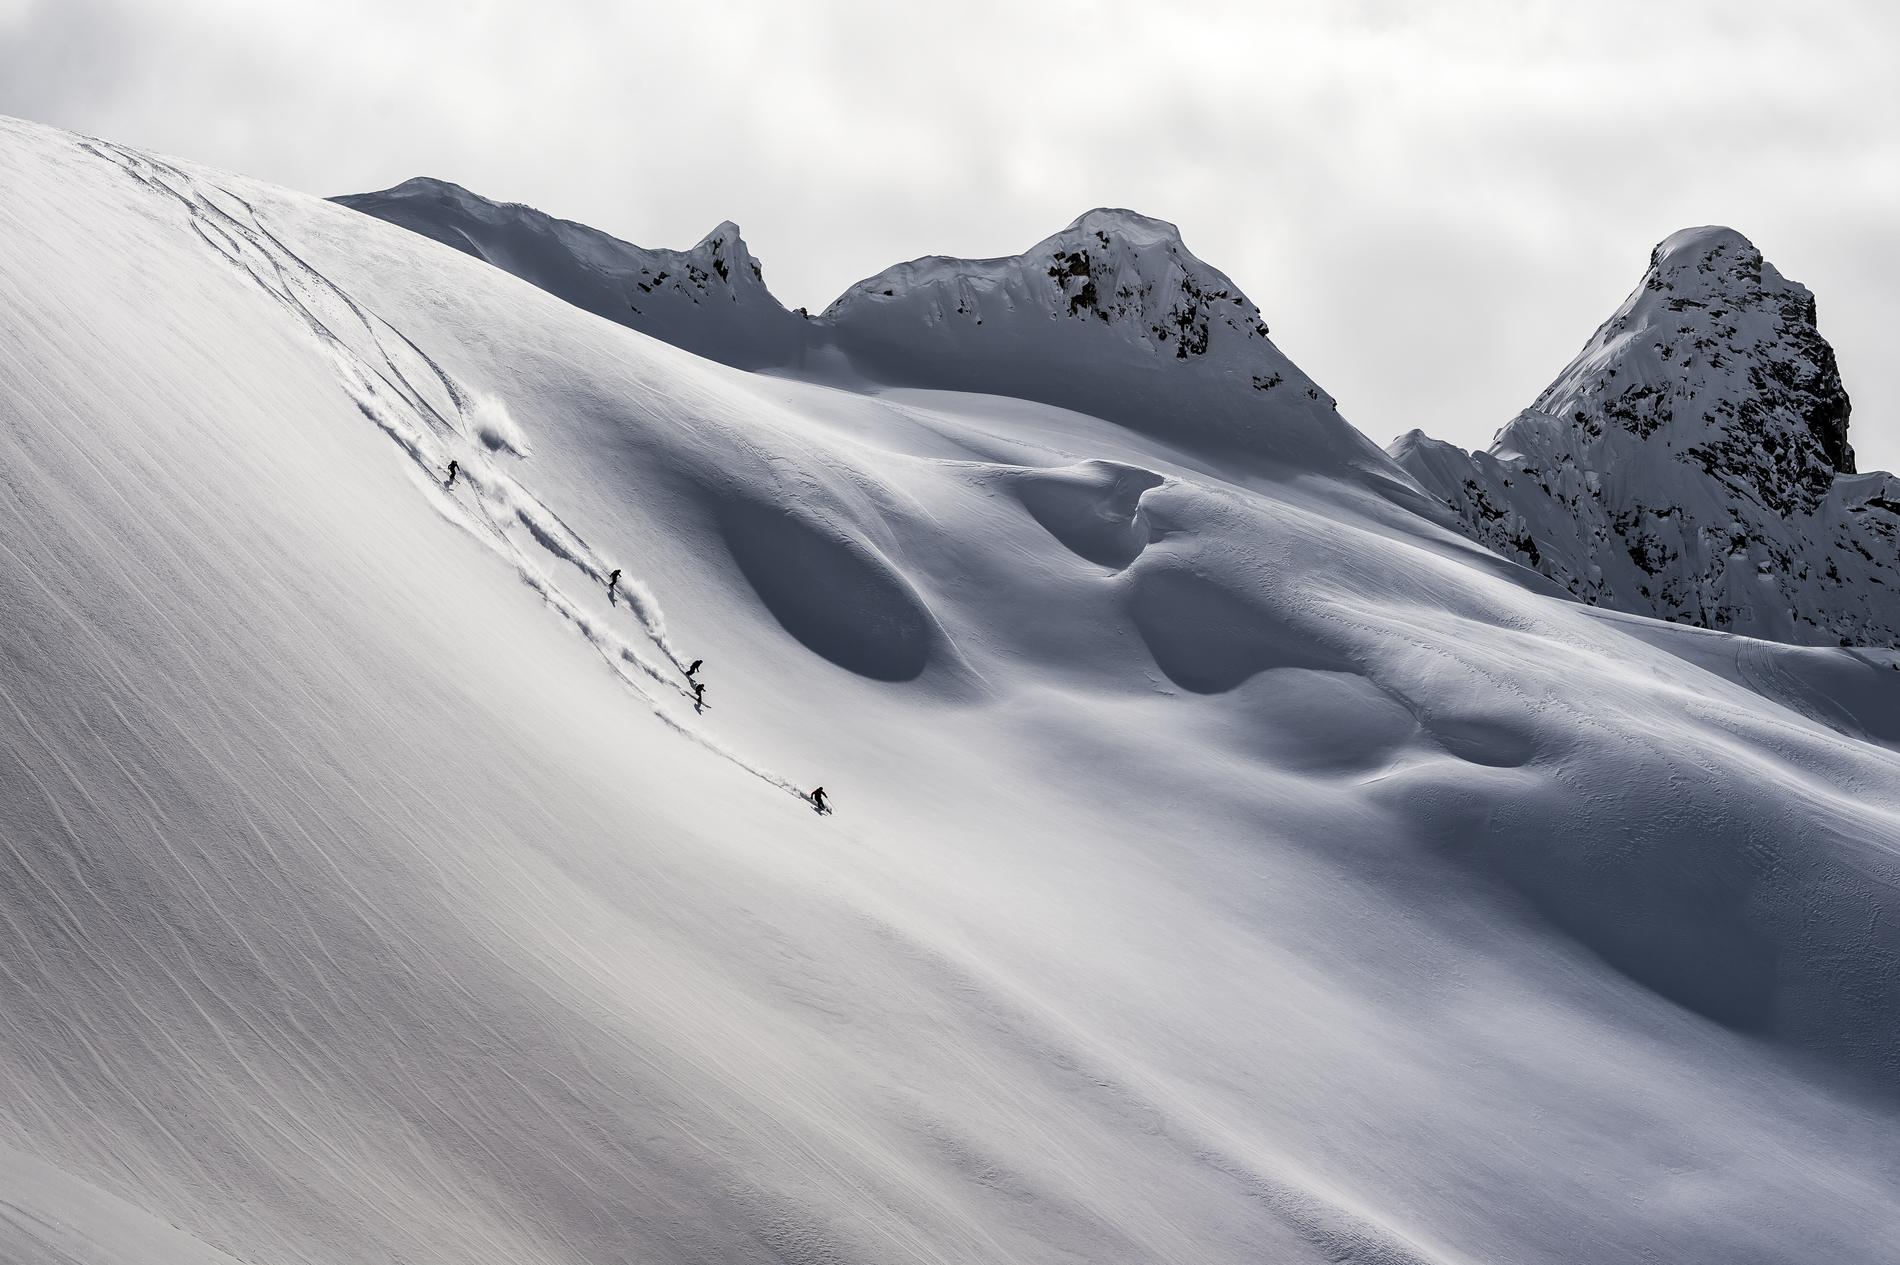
x: 1692, y: 463
x: 1229, y: 863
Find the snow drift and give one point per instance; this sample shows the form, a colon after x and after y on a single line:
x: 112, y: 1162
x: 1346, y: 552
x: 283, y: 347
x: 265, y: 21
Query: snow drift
x: 1224, y: 867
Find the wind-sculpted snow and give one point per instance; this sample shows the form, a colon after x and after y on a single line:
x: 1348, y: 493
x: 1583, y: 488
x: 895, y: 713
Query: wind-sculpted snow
x: 1223, y: 868
x: 1093, y: 508
x: 830, y: 591
x: 1206, y: 637
x: 1692, y: 463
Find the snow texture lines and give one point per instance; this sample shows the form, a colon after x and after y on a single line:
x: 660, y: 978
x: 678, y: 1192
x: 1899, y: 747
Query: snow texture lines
x: 419, y: 406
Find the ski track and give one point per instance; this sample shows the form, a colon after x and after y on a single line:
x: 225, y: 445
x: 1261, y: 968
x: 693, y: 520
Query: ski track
x: 431, y: 433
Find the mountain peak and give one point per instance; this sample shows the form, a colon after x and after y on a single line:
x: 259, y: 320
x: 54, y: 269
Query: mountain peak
x: 724, y: 238
x: 1113, y: 315
x: 1689, y: 463
x: 1698, y: 245
x: 1119, y: 222
x: 416, y: 186
x: 726, y: 253
x: 1716, y: 358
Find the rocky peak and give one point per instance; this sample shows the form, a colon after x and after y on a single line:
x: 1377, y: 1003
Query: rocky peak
x: 1692, y: 462
x: 720, y: 260
x: 1716, y: 358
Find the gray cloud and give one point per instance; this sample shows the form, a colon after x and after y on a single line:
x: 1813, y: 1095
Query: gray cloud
x: 1435, y: 205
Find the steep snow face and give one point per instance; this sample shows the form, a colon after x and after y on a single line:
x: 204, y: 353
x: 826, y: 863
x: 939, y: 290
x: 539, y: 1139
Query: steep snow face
x: 1112, y: 316
x: 711, y: 300
x: 1693, y: 463
x: 1223, y: 868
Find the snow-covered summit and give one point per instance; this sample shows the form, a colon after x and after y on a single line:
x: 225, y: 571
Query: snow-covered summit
x: 1719, y: 354
x: 1688, y: 462
x: 711, y: 299
x: 1114, y: 316
x: 1117, y: 237
x: 1124, y: 270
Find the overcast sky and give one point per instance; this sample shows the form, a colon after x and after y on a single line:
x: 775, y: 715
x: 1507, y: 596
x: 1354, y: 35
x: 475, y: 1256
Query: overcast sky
x: 1434, y: 204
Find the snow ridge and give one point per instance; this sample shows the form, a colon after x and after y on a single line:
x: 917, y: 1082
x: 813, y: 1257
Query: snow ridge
x: 1112, y: 316
x: 711, y: 299
x: 1692, y: 462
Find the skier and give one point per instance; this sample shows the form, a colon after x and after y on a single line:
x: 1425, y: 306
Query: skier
x: 818, y: 800
x: 612, y: 580
x: 453, y: 467
x: 693, y: 667
x: 699, y: 696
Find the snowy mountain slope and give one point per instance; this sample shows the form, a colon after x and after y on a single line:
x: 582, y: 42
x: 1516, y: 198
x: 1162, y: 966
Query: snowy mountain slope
x: 1223, y: 869
x: 1692, y: 463
x: 50, y: 1218
x: 1112, y: 316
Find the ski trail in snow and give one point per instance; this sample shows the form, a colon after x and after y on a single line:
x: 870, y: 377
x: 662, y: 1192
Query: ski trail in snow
x: 392, y: 381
